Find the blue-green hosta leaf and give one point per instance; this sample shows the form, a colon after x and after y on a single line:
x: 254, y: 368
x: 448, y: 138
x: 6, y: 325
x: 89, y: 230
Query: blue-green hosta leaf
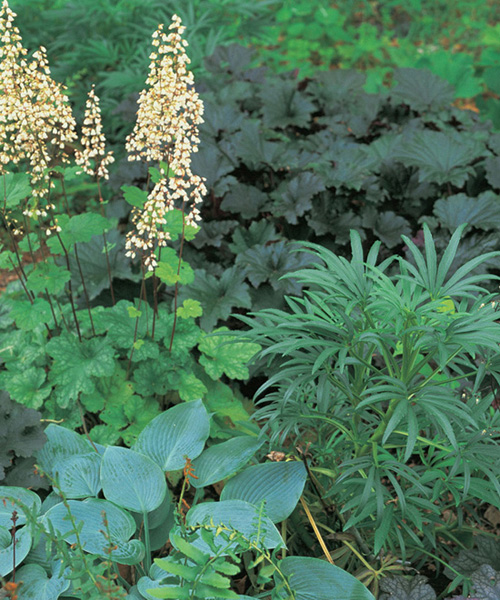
x: 47, y: 276
x: 221, y: 461
x: 279, y: 484
x: 312, y: 578
x: 61, y: 444
x: 234, y: 514
x: 7, y: 549
x: 422, y: 90
x: 132, y: 480
x: 441, y: 157
x: 11, y: 499
x: 224, y: 354
x: 37, y: 586
x: 89, y: 513
x: 179, y: 432
x: 17, y: 188
x: 78, y: 476
x: 218, y: 297
x: 77, y: 363
x: 482, y: 212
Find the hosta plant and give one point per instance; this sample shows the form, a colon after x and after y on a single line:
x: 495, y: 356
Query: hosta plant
x: 384, y: 376
x: 111, y: 513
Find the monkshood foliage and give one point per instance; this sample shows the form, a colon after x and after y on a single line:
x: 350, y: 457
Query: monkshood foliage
x: 310, y: 160
x: 111, y: 507
x: 386, y: 374
x: 21, y: 435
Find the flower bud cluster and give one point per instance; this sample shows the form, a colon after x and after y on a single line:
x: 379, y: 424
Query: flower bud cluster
x: 166, y: 131
x: 93, y: 141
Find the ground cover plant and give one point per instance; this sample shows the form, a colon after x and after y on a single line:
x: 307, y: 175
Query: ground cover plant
x: 152, y: 478
x: 457, y: 41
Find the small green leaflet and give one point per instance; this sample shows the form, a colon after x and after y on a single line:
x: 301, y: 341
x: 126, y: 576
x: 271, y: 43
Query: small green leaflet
x: 171, y: 270
x: 190, y: 308
x: 134, y: 196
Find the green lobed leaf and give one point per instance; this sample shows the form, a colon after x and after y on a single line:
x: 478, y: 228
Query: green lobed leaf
x: 47, y: 276
x: 224, y: 355
x: 15, y: 188
x: 30, y: 315
x: 77, y: 364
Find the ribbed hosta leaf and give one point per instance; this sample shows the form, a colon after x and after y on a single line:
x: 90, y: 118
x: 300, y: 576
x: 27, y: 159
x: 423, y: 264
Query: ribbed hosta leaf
x: 315, y: 579
x: 61, y: 444
x: 221, y: 461
x: 238, y: 515
x: 121, y: 527
x: 280, y: 484
x: 179, y: 432
x: 11, y: 499
x: 23, y: 545
x: 37, y: 586
x: 132, y: 480
x: 78, y: 476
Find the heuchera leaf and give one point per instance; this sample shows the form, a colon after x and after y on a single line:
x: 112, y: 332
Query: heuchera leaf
x: 17, y: 188
x: 79, y: 228
x: 224, y: 355
x: 134, y: 195
x: 422, y: 90
x: 441, y: 157
x: 28, y: 386
x: 218, y: 297
x: 29, y: 315
x: 77, y: 364
x: 246, y: 200
x: 293, y: 198
x: 482, y: 212
x: 284, y: 105
x: 47, y: 276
